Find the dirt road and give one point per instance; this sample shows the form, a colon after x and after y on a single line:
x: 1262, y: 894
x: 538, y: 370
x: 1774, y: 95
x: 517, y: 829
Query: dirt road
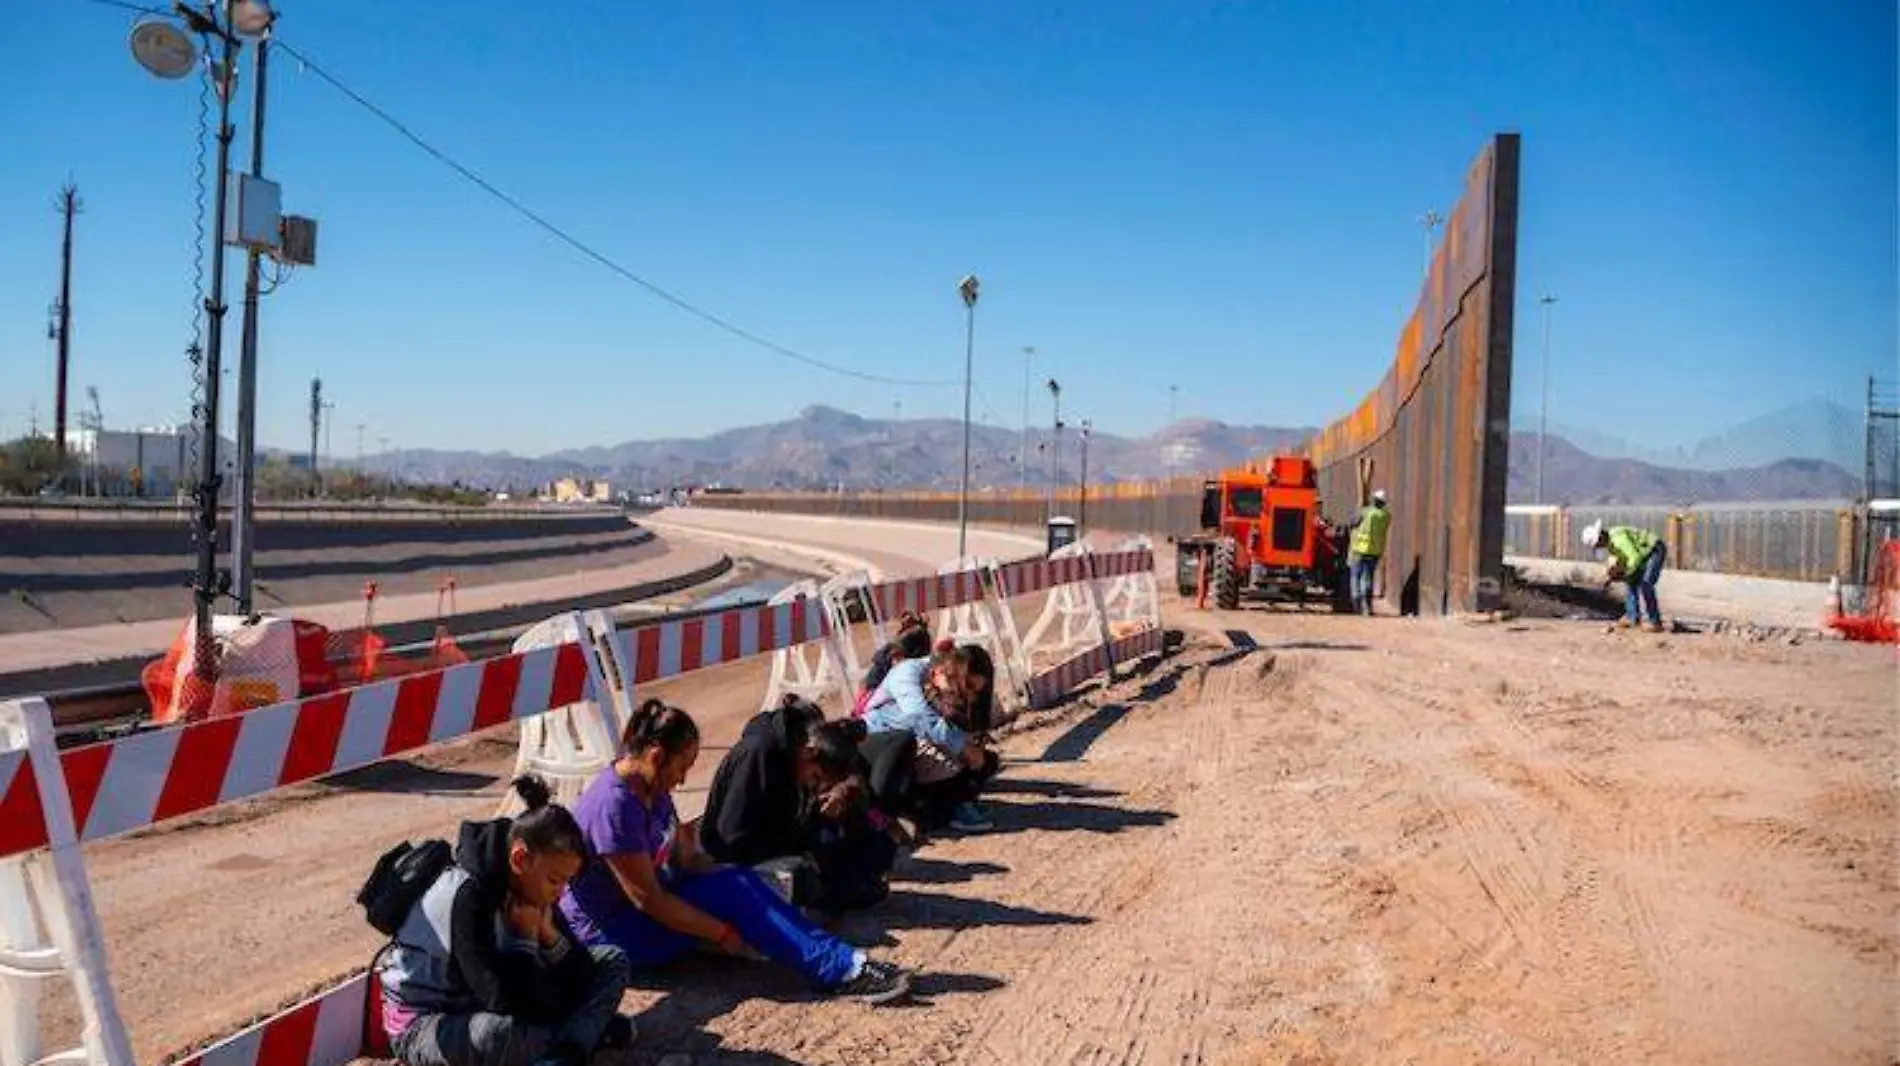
x: 1364, y: 841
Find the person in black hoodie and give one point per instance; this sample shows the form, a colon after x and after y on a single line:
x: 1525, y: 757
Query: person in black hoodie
x: 791, y: 794
x: 484, y: 970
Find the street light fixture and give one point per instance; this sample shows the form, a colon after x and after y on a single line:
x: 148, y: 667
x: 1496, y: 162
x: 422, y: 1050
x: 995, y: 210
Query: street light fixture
x: 967, y: 289
x: 1055, y: 447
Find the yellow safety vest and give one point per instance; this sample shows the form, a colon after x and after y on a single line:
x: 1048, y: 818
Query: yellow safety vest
x: 1368, y: 537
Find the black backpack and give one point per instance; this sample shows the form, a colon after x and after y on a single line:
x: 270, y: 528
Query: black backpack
x: 400, y: 878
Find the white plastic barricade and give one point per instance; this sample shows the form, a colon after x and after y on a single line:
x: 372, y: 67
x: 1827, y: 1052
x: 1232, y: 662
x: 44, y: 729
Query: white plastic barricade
x: 1129, y: 601
x: 49, y: 929
x: 1071, y: 619
x: 988, y: 623
x: 569, y: 746
x: 812, y: 671
x: 839, y: 595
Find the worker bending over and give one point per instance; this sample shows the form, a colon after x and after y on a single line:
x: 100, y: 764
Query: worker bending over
x: 1363, y: 552
x: 1636, y: 559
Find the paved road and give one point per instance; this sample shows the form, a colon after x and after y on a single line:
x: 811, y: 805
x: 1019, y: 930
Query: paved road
x: 895, y: 548
x: 60, y: 647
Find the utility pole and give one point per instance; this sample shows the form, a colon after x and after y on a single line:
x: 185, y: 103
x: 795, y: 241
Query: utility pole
x: 1022, y: 446
x: 316, y: 424
x: 1082, y: 515
x: 1055, y: 446
x: 68, y: 206
x: 360, y: 427
x: 243, y: 531
x: 967, y: 288
x: 1543, y: 415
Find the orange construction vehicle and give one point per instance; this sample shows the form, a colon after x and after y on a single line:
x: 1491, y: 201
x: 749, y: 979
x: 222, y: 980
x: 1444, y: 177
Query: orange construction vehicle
x: 1262, y: 533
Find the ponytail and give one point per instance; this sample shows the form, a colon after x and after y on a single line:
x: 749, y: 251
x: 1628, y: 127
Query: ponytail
x: 655, y: 723
x: 545, y: 827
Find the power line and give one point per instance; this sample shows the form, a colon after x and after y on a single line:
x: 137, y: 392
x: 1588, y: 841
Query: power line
x: 583, y: 247
x: 560, y: 234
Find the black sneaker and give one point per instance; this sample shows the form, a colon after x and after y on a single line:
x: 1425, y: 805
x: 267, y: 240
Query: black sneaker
x: 619, y: 1034
x: 876, y: 982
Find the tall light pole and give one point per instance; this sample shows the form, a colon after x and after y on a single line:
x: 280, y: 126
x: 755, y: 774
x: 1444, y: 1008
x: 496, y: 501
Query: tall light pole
x: 1055, y: 446
x: 967, y: 288
x: 1543, y: 415
x: 1167, y: 450
x: 1431, y: 220
x: 243, y: 532
x: 1022, y: 445
x: 1082, y: 508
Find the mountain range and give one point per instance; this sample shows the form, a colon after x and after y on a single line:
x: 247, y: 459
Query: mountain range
x: 1811, y: 429
x: 823, y: 448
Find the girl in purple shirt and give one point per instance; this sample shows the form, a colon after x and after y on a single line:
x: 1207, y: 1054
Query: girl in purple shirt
x: 648, y: 889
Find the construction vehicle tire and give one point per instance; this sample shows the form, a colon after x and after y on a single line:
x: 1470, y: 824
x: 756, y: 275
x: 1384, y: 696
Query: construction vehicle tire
x: 1187, y: 570
x: 1226, y: 578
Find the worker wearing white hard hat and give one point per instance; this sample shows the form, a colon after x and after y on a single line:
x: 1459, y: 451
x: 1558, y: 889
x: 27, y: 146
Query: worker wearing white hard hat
x: 1636, y: 558
x: 1365, y: 548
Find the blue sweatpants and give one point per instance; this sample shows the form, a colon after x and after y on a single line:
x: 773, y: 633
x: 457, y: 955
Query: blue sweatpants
x: 740, y: 898
x: 1640, y: 587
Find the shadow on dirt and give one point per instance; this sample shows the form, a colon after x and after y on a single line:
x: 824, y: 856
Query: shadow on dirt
x: 918, y: 870
x: 405, y: 778
x: 905, y: 909
x: 1022, y: 786
x: 1072, y: 817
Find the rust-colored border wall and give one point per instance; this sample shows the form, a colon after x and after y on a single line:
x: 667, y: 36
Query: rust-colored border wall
x: 1436, y: 431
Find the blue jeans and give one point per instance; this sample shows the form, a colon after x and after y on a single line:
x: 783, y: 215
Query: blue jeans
x: 1641, y: 586
x: 739, y: 897
x: 1363, y: 568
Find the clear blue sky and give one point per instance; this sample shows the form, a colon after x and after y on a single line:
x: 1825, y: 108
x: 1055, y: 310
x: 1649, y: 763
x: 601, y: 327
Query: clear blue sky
x: 1219, y: 196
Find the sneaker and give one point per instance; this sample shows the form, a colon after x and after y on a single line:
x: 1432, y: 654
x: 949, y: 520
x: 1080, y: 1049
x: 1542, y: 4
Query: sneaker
x: 876, y: 982
x: 969, y: 818
x: 619, y: 1034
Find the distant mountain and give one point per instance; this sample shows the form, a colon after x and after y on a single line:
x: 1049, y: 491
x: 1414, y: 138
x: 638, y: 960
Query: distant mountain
x: 1811, y: 429
x: 824, y: 447
x: 1573, y: 476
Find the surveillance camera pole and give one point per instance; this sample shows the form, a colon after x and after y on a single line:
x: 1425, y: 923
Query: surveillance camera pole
x: 206, y: 589
x: 243, y: 531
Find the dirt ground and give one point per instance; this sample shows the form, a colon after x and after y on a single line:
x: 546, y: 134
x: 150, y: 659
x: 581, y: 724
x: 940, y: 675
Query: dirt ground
x: 1311, y: 839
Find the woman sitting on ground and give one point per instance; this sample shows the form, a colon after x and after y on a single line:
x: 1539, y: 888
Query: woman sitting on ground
x: 912, y: 642
x: 484, y: 970
x: 791, y: 794
x: 651, y: 891
x: 919, y: 700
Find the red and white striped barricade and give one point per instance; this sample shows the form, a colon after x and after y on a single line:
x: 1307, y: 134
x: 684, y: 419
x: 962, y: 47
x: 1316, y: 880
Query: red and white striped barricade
x: 814, y: 670
x: 49, y: 930
x: 988, y: 623
x: 568, y: 746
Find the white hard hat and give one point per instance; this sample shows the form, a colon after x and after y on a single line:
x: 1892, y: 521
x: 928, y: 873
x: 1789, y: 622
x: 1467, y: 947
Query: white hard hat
x: 1378, y: 494
x: 1591, y: 533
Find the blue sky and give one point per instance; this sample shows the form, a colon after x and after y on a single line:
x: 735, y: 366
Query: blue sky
x: 1218, y: 196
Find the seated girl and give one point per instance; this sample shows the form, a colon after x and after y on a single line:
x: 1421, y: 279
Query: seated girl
x: 484, y: 971
x: 912, y: 642
x: 791, y: 795
x: 650, y: 891
x: 921, y: 701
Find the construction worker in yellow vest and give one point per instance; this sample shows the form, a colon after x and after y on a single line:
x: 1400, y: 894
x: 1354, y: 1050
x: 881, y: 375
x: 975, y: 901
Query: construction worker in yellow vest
x: 1365, y: 548
x: 1636, y: 558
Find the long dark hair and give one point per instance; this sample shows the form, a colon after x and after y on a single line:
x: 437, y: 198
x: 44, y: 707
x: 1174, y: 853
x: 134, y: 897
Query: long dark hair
x: 833, y: 744
x: 545, y: 827
x: 655, y: 724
